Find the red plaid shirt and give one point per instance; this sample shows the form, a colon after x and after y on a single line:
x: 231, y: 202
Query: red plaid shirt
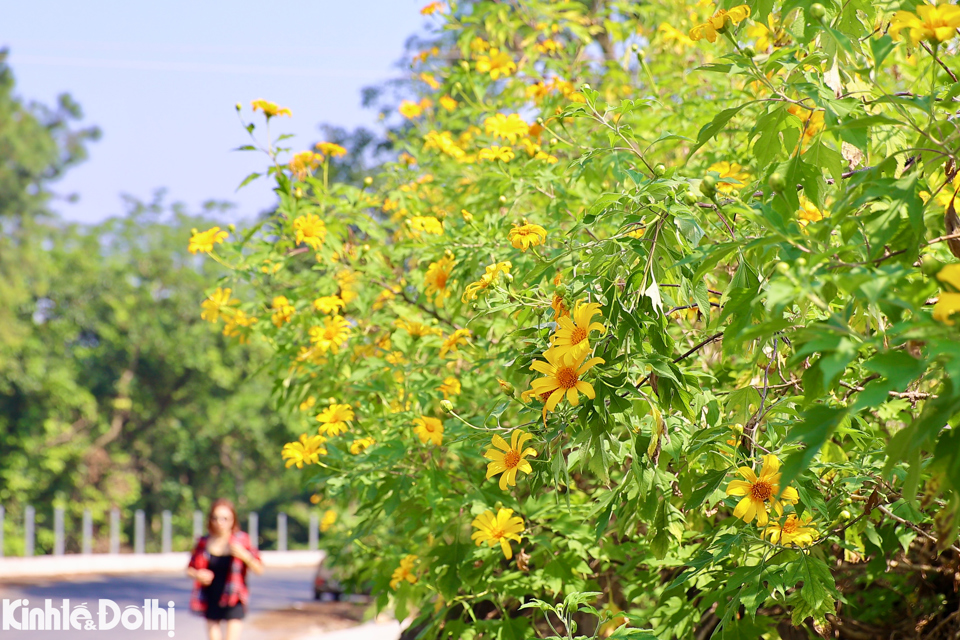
x: 235, y: 589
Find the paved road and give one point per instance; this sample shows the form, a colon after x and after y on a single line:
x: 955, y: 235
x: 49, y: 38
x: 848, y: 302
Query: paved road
x: 276, y: 589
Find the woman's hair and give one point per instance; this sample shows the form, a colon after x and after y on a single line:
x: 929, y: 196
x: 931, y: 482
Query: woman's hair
x: 222, y: 502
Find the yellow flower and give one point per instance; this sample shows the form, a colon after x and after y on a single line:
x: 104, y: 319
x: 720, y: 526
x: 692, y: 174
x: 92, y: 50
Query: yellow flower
x: 573, y: 331
x: 203, y: 242
x: 331, y: 335
x: 410, y: 110
x: 718, y: 21
x: 306, y: 451
x: 359, y: 446
x: 669, y: 33
x: 443, y: 142
x: 333, y: 420
x: 935, y: 23
x: 479, y: 45
x: 330, y: 149
x: 794, y: 530
x: 507, y: 127
x: 283, y: 311
x: 310, y: 229
x: 812, y: 120
x: 347, y: 279
x: 217, y: 303
x: 313, y: 355
x: 315, y: 499
x: 430, y: 80
x: 808, y: 212
x: 548, y: 46
x: 467, y: 216
x: 417, y: 329
x: 307, y: 404
x: 432, y: 8
x: 757, y: 491
x: 528, y: 235
x: 234, y: 321
x: 396, y: 358
x: 437, y: 277
x: 329, y: 518
x: 455, y: 339
x: 329, y: 305
x: 383, y: 298
x: 448, y: 103
x: 949, y: 302
x: 304, y: 163
x: 450, y: 387
x: 497, y: 153
x: 496, y: 63
x: 563, y: 374
x: 428, y: 430
x: 510, y: 457
x: 491, y: 275
x: 404, y: 572
x: 498, y: 529
x: 765, y: 34
x: 425, y: 224
x: 269, y: 109
x: 731, y: 174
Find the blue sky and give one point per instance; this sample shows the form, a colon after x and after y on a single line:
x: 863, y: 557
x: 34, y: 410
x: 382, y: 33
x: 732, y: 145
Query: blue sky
x: 161, y: 80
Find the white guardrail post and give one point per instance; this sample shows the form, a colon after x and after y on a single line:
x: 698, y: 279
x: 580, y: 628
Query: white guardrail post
x: 86, y: 547
x: 28, y: 532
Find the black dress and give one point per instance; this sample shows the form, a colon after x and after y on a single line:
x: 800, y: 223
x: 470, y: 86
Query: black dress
x: 220, y: 565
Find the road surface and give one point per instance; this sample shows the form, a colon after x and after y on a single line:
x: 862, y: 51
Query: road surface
x: 281, y: 605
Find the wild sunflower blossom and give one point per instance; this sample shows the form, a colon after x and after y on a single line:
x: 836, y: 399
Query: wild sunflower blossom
x: 234, y: 321
x: 333, y: 420
x: 758, y: 491
x: 443, y: 142
x: 505, y: 154
x: 283, y: 311
x: 270, y: 109
x: 793, y: 530
x: 331, y: 335
x: 203, y: 241
x: 491, y: 275
x: 428, y: 430
x: 562, y: 377
x: 449, y: 387
x: 527, y: 235
x: 330, y: 149
x: 498, y: 529
x: 360, y: 445
x: 811, y: 119
x: 217, y: 303
x: 404, y: 572
x: 417, y: 329
x: 329, y: 305
x: 328, y: 520
x: 496, y: 63
x: 949, y: 301
x: 448, y: 103
x: 310, y: 230
x: 437, y: 278
x: 509, y: 127
x: 305, y: 451
x: 573, y: 331
x: 808, y: 212
x: 732, y: 176
x: 935, y: 23
x: 458, y: 338
x: 718, y: 22
x: 424, y: 224
x: 508, y: 459
x: 304, y: 163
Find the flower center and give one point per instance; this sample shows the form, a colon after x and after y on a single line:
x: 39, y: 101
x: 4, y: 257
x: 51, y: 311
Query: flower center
x: 441, y: 281
x: 790, y: 526
x: 567, y: 377
x: 496, y: 533
x: 428, y: 427
x: 578, y: 335
x: 761, y: 491
x: 511, y: 459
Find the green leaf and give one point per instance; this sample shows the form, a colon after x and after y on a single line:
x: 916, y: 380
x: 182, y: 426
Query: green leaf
x: 719, y: 121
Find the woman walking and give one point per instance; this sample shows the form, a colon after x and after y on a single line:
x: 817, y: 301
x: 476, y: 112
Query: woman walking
x: 219, y: 569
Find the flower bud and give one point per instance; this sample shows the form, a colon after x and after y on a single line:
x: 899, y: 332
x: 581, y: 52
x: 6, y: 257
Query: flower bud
x: 368, y: 181
x: 708, y: 186
x: 446, y: 405
x: 505, y: 387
